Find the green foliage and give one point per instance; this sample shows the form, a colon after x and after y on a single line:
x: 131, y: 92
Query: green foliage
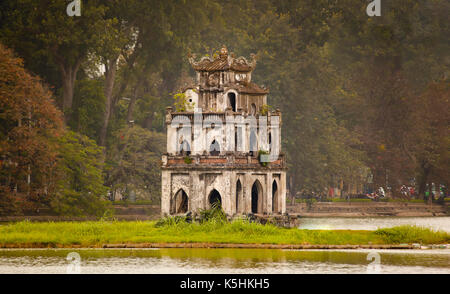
x: 134, y: 163
x: 108, y: 216
x: 265, y: 109
x: 170, y: 221
x: 182, y: 104
x: 89, y: 105
x: 187, y: 160
x: 80, y: 186
x: 412, y: 234
x: 214, y: 214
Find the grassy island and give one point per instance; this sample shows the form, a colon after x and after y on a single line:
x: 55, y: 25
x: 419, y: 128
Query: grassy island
x: 98, y: 233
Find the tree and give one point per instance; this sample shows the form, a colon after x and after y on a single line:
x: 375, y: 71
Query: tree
x: 65, y: 40
x: 134, y: 164
x: 387, y: 63
x: 80, y: 189
x: 30, y: 124
x: 432, y: 140
x: 89, y: 104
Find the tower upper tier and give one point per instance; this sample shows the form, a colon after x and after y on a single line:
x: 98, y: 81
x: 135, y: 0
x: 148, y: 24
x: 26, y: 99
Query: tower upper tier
x: 225, y: 82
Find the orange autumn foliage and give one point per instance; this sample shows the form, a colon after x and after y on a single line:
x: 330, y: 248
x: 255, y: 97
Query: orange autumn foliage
x: 29, y: 125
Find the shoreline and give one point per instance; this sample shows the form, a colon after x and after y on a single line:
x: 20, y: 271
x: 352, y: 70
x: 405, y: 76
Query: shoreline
x: 202, y: 245
x: 148, y: 212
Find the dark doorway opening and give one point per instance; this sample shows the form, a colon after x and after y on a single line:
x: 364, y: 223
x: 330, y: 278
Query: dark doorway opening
x: 238, y: 196
x: 256, y: 197
x: 232, y: 101
x: 214, y: 197
x: 275, y: 197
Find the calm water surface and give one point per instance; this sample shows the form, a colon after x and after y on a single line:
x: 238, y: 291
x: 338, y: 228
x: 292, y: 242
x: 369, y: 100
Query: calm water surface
x: 373, y: 223
x: 195, y: 261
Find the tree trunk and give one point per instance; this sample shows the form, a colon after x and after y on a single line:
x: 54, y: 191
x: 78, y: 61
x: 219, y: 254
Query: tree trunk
x: 131, y: 107
x: 423, y: 182
x: 69, y: 76
x: 134, y: 99
x: 291, y: 190
x: 430, y: 193
x: 111, y: 68
x: 110, y: 74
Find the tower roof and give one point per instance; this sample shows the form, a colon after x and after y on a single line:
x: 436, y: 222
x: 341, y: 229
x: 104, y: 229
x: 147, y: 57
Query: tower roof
x: 250, y: 88
x: 222, y: 62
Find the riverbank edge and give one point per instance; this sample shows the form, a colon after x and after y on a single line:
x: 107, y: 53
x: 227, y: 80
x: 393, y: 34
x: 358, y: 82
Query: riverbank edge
x: 226, y: 246
x: 209, y: 245
x: 148, y: 212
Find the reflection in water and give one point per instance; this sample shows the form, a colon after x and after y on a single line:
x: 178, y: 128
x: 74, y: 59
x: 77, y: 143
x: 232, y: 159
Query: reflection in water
x: 192, y: 261
x: 373, y: 223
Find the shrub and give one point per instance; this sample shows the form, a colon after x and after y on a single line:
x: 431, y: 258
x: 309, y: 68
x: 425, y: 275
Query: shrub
x: 187, y: 160
x: 215, y: 214
x: 170, y: 221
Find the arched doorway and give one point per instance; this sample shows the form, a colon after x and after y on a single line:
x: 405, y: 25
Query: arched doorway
x: 214, y: 148
x: 275, y: 197
x: 232, y: 101
x: 257, y: 194
x: 239, y: 201
x: 214, y: 197
x: 179, y: 203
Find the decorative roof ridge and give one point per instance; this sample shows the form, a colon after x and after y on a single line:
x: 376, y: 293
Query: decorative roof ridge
x: 223, y: 61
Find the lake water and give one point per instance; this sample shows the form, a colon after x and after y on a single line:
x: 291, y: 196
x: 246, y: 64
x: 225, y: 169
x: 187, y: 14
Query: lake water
x: 373, y: 223
x: 244, y: 261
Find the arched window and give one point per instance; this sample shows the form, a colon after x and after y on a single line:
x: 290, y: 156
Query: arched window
x: 253, y: 109
x: 253, y: 143
x: 185, y: 148
x: 214, y: 148
x: 232, y: 101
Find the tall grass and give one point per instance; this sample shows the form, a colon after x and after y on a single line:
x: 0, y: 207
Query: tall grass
x: 412, y: 234
x: 239, y: 231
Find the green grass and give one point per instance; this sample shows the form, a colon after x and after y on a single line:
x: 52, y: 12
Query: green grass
x: 240, y: 231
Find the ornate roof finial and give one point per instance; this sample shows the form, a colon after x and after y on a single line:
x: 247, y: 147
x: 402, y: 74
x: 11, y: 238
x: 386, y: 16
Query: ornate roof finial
x: 223, y: 52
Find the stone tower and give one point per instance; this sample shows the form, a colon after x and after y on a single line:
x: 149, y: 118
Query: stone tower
x: 223, y: 145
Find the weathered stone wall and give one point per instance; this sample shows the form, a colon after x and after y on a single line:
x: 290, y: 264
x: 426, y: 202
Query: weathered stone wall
x: 198, y: 185
x: 200, y: 130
